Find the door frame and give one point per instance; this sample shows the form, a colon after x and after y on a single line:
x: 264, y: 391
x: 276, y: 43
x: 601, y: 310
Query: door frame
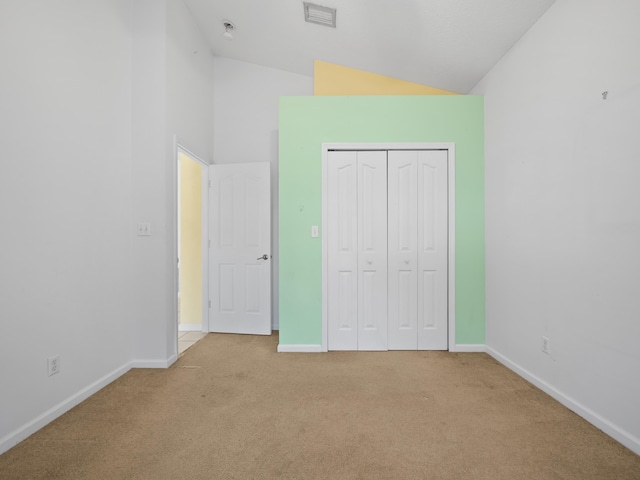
x: 178, y: 149
x: 451, y: 217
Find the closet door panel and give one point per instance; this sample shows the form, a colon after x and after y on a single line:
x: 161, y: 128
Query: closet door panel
x: 403, y: 252
x: 432, y: 250
x: 372, y: 250
x: 387, y: 250
x: 342, y: 251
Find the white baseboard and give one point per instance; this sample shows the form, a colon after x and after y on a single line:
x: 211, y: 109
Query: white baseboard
x: 469, y: 347
x: 22, y: 433
x: 190, y: 327
x: 625, y: 438
x: 299, y: 348
x: 318, y: 348
x: 142, y: 363
x: 15, y: 437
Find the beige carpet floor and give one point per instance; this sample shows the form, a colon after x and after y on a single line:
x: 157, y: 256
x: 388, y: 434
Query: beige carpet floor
x: 233, y: 408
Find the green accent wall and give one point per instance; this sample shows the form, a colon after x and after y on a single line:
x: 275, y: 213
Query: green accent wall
x: 306, y: 123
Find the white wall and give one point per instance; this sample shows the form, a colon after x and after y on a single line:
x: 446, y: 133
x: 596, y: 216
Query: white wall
x: 92, y: 95
x: 189, y: 82
x: 245, y: 128
x: 65, y: 195
x: 151, y: 197
x: 172, y: 99
x: 563, y: 209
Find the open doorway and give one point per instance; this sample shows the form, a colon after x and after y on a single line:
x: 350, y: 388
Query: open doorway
x: 192, y: 249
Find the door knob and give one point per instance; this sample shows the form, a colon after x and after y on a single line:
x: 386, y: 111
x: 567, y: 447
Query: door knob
x: 264, y: 257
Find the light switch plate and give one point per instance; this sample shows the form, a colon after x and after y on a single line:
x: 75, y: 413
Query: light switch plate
x: 144, y: 229
x: 314, y: 231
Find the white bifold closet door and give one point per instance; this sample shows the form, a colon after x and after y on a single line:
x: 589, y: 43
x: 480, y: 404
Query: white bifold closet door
x: 418, y: 250
x: 357, y: 250
x: 387, y: 237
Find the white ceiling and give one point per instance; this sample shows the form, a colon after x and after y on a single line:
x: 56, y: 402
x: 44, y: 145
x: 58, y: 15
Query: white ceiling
x: 449, y: 44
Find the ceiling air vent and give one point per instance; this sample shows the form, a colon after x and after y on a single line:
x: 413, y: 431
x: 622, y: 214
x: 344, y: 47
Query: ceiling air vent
x: 320, y: 15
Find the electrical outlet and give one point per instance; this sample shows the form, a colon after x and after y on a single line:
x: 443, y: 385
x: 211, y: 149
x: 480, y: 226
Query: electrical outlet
x: 53, y: 364
x: 546, y: 345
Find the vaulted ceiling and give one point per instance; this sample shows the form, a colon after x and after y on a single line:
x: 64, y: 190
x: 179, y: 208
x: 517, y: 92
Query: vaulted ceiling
x: 448, y: 44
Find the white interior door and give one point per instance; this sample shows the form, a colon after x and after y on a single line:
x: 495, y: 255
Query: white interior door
x: 240, y: 256
x: 432, y: 250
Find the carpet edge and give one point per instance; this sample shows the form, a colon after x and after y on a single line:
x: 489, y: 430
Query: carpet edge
x: 614, y: 431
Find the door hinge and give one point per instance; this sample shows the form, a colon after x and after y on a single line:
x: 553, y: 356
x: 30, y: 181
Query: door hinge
x: 209, y: 303
x: 209, y: 243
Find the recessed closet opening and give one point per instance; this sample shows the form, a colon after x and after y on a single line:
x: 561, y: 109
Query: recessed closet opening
x: 388, y: 246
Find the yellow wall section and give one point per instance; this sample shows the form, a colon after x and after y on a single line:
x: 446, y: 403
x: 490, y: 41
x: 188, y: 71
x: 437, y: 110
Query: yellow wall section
x: 332, y: 79
x: 190, y: 241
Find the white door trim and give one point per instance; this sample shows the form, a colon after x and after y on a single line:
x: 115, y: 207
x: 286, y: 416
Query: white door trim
x: 451, y: 163
x: 180, y: 148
